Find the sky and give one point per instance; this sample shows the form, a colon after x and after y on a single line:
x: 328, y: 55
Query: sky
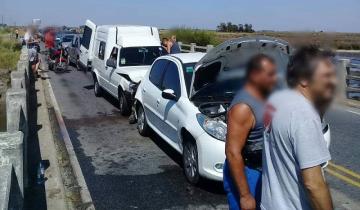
x: 279, y: 15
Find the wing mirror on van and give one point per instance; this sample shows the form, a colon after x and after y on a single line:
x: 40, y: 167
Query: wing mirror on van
x: 169, y: 94
x: 111, y: 63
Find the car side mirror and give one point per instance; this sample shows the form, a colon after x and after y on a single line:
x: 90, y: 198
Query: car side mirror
x: 169, y: 94
x: 111, y: 63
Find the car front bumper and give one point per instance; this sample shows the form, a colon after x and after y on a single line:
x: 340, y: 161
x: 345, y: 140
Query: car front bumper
x: 211, y: 157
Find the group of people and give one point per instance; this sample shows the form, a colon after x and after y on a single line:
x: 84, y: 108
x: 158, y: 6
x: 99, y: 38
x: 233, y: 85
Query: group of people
x: 170, y: 45
x: 32, y: 41
x: 275, y: 148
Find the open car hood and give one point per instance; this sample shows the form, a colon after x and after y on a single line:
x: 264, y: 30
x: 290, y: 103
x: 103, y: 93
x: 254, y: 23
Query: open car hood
x: 220, y: 71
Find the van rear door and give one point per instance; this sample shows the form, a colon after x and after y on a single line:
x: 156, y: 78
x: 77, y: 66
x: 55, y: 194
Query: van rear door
x: 87, y: 43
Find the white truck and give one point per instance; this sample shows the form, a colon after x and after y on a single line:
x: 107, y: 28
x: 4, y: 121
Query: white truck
x: 119, y: 56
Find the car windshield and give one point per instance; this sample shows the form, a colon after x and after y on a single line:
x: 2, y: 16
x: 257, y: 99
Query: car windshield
x: 188, y: 70
x: 68, y: 38
x: 139, y: 56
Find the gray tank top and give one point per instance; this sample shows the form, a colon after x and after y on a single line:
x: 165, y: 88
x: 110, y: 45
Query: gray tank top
x: 255, y: 140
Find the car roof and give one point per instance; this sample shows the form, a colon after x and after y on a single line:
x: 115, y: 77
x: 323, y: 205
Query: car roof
x: 188, y: 57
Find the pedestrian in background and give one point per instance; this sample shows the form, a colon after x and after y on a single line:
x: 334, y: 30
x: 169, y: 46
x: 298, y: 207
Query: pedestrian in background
x: 16, y: 34
x: 244, y: 141
x: 173, y: 46
x: 294, y: 148
x: 164, y: 46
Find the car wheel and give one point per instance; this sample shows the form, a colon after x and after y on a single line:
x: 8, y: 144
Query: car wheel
x: 190, y: 162
x: 123, y: 104
x: 97, y: 89
x: 142, y: 125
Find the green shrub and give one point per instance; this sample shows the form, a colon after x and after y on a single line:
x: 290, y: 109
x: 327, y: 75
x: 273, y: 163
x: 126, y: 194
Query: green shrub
x: 188, y: 35
x: 9, y: 53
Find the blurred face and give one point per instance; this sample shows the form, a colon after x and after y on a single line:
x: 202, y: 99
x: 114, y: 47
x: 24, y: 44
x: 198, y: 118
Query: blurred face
x: 266, y: 78
x: 164, y: 42
x: 323, y: 84
x: 173, y: 38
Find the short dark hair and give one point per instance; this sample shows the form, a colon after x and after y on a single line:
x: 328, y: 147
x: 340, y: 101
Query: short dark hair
x: 302, y: 63
x: 254, y: 64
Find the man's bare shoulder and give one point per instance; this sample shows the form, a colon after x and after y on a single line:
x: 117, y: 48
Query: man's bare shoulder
x: 241, y: 113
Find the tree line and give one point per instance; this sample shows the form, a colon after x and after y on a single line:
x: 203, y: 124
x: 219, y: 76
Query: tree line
x: 230, y: 27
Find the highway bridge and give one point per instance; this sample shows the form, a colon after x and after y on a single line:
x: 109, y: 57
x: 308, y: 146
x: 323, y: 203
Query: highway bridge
x: 123, y: 170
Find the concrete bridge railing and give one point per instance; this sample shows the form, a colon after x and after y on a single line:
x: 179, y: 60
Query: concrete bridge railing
x: 13, y: 142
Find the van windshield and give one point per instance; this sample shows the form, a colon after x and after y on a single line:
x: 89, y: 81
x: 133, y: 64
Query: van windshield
x: 139, y: 56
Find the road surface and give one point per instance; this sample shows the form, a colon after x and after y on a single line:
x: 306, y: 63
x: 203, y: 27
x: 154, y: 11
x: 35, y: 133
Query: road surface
x: 126, y: 171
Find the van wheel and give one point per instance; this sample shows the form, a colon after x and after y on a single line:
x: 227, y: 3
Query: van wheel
x: 190, y: 162
x: 142, y: 126
x: 123, y: 104
x: 97, y: 89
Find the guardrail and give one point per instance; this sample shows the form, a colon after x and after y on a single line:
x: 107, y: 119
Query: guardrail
x: 13, y: 143
x: 192, y: 47
x: 349, y: 74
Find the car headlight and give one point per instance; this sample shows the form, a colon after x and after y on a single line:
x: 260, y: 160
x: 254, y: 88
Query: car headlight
x: 215, y: 127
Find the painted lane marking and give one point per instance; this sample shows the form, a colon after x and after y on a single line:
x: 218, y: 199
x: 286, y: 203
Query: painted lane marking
x: 342, y: 177
x: 345, y: 170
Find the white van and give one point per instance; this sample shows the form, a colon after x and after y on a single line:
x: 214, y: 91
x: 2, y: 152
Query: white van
x: 121, y: 57
x: 86, y: 46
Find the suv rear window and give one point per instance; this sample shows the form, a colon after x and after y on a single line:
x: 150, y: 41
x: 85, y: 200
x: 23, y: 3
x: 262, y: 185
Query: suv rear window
x: 85, y: 41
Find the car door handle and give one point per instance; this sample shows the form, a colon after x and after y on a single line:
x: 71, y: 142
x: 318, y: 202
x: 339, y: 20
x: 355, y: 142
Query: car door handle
x: 144, y: 90
x: 158, y: 102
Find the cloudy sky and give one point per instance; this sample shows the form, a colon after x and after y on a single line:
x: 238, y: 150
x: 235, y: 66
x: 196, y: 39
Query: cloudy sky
x: 284, y: 15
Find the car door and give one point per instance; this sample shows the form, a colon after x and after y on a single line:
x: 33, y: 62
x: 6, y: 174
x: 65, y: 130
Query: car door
x: 169, y: 109
x: 87, y: 42
x: 99, y: 63
x: 111, y: 76
x: 152, y: 93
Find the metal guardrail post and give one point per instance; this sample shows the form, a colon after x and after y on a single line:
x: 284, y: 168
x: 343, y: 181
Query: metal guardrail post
x: 180, y: 46
x: 209, y: 47
x: 192, y: 47
x: 342, y: 72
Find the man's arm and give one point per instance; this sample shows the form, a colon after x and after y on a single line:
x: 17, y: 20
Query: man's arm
x: 240, y: 121
x: 318, y: 190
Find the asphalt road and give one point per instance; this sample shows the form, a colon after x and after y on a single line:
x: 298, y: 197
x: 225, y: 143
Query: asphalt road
x: 126, y: 171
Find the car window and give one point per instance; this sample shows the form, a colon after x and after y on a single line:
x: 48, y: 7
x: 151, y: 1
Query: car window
x: 157, y: 71
x: 114, y: 54
x: 85, y: 41
x: 101, y: 52
x: 171, y: 79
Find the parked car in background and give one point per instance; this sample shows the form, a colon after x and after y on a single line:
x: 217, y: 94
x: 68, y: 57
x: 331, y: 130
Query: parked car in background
x: 67, y: 39
x: 190, y: 114
x: 74, y: 51
x: 121, y: 57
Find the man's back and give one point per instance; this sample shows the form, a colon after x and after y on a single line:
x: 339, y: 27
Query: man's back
x: 293, y: 141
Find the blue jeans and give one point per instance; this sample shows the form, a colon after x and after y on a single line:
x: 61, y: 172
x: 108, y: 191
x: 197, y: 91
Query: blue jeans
x: 254, y: 181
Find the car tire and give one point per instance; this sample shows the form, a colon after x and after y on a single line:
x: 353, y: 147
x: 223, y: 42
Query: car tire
x: 142, y: 125
x: 190, y: 162
x: 123, y: 104
x: 97, y: 89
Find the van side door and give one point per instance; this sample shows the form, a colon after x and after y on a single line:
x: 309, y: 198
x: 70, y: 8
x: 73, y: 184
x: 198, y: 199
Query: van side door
x: 87, y: 43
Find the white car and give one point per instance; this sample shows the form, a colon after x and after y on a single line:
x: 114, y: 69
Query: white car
x: 191, y: 116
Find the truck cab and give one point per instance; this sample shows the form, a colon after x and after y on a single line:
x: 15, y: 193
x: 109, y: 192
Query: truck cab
x: 121, y: 57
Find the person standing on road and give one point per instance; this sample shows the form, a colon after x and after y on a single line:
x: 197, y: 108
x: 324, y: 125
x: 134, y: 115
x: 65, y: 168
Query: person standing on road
x: 173, y: 46
x: 242, y: 168
x: 294, y: 146
x: 16, y: 34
